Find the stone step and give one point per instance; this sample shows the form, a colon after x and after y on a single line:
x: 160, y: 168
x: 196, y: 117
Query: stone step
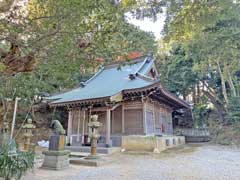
x: 89, y: 162
x: 86, y: 149
x: 78, y: 154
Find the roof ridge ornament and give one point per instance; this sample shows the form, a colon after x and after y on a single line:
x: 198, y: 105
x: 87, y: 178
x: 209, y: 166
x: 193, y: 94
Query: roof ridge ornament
x: 132, y: 76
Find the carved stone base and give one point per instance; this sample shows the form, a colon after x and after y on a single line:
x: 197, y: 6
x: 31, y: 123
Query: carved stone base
x: 56, y: 160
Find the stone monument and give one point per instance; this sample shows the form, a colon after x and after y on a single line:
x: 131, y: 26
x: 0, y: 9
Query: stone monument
x: 94, y: 136
x: 28, y: 127
x: 56, y: 157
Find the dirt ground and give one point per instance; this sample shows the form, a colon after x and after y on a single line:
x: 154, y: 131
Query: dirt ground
x: 190, y: 162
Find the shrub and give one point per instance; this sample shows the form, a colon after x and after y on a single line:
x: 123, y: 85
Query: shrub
x: 200, y: 113
x: 13, y: 165
x: 234, y: 110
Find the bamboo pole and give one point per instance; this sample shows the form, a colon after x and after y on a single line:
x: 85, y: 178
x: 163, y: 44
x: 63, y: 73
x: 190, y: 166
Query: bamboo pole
x: 14, y: 115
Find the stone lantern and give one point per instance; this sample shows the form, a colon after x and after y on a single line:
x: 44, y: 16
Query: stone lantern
x: 5, y: 127
x: 94, y: 136
x: 4, y: 134
x: 28, y: 127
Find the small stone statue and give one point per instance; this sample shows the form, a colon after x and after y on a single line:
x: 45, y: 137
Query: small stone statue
x: 57, y: 127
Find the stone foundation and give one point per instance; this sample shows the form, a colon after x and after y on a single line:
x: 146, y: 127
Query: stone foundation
x: 151, y: 143
x: 56, y: 160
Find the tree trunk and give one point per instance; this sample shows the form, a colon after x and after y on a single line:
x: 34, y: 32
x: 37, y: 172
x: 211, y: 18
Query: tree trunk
x: 198, y: 93
x: 218, y: 105
x: 194, y: 95
x: 230, y: 82
x: 224, y: 89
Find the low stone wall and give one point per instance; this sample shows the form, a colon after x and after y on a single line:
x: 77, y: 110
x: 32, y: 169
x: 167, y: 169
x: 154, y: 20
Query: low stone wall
x: 192, y: 132
x: 151, y: 143
x: 194, y: 135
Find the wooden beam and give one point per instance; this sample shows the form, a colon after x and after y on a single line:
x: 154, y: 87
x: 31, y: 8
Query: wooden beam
x: 115, y: 106
x: 108, y: 128
x: 99, y: 109
x: 96, y: 109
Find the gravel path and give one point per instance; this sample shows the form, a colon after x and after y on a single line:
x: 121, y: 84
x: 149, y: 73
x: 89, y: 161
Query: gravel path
x: 191, y: 162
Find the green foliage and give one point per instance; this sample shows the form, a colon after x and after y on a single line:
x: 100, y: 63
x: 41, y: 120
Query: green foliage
x: 208, y: 34
x: 67, y: 38
x: 2, y: 67
x: 176, y: 71
x: 14, y: 165
x: 200, y: 113
x: 234, y: 110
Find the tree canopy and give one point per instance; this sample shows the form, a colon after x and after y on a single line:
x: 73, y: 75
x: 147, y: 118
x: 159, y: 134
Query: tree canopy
x: 63, y: 42
x: 207, y: 36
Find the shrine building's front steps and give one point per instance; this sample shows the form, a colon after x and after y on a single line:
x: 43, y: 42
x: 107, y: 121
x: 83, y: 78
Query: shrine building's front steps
x: 86, y: 149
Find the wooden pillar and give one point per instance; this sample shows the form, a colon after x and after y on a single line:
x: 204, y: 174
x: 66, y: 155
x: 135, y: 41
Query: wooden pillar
x: 123, y: 120
x: 78, y: 125
x: 112, y: 123
x: 69, y: 129
x: 108, y: 128
x: 154, y: 118
x: 83, y: 128
x: 144, y: 117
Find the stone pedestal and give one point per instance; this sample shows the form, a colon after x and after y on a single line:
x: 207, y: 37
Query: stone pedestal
x: 56, y: 157
x: 57, y: 143
x: 56, y: 160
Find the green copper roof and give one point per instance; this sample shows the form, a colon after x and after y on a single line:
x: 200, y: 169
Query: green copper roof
x: 109, y: 81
